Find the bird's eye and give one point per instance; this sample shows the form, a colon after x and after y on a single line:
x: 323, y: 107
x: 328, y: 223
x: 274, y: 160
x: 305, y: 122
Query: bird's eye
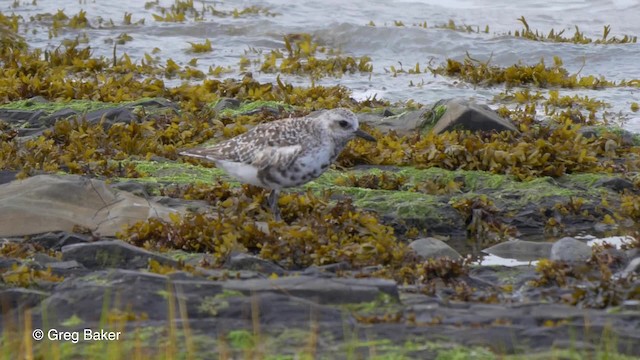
x: 344, y: 123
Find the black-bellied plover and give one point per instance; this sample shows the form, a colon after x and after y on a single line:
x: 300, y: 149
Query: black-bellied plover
x: 284, y: 153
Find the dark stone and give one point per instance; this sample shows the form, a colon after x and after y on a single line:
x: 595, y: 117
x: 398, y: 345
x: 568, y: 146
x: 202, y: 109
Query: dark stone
x: 112, y: 116
x: 7, y: 176
x: 20, y: 116
x: 387, y: 113
x: 465, y: 115
x: 50, y: 120
x: 242, y: 261
x: 616, y: 184
x: 133, y: 187
x: 112, y: 254
x: 20, y: 298
x: 226, y: 103
x: 321, y: 290
x: 56, y: 240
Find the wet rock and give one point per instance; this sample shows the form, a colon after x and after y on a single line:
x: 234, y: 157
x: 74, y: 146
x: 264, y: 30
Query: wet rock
x: 465, y: 115
x: 521, y: 250
x: 126, y: 290
x: 112, y: 116
x: 20, y: 117
x: 632, y: 268
x: 226, y: 103
x: 56, y: 240
x: 47, y: 203
x: 242, y: 261
x: 112, y: 254
x: 321, y: 290
x: 20, y: 298
x: 404, y: 123
x: 327, y: 270
x: 136, y: 188
x: 570, y: 250
x: 51, y: 119
x: 431, y: 248
x: 616, y: 184
x: 7, y: 176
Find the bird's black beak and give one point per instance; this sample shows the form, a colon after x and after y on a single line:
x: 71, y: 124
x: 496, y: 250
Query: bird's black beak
x: 364, y: 135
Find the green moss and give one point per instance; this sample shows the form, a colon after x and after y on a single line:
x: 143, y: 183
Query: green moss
x: 72, y: 321
x: 178, y: 173
x: 49, y: 107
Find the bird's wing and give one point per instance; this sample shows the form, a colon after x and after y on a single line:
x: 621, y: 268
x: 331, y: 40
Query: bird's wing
x: 280, y: 156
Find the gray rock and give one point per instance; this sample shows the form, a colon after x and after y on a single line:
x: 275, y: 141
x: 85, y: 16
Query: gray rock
x: 632, y: 268
x: 20, y: 298
x: 464, y: 115
x: 616, y: 184
x: 56, y: 240
x: 65, y: 265
x: 431, y: 248
x: 112, y: 116
x: 521, y: 250
x: 7, y: 176
x: 404, y: 123
x: 126, y: 290
x: 51, y: 119
x: 570, y: 250
x: 242, y: 261
x: 112, y: 254
x: 321, y: 290
x: 226, y: 103
x: 48, y: 203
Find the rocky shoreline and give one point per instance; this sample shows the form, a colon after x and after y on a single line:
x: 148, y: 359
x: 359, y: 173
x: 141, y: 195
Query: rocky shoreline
x: 64, y: 264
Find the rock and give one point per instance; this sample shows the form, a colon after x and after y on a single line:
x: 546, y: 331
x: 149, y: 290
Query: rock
x: 226, y: 103
x: 56, y: 240
x: 464, y: 115
x: 632, y: 268
x: 616, y: 184
x: 48, y: 203
x: 136, y: 188
x: 7, y: 176
x: 431, y: 248
x: 20, y: 298
x: 129, y: 291
x: 51, y: 119
x: 242, y: 261
x: 20, y: 117
x: 321, y: 290
x: 405, y: 123
x: 112, y: 254
x: 521, y: 250
x: 112, y: 115
x: 570, y: 250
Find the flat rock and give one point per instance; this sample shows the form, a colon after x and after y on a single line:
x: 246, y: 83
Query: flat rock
x: 465, y: 115
x: 521, y: 250
x: 15, y: 298
x: 404, y: 123
x: 431, y: 248
x: 570, y: 250
x: 49, y: 203
x: 242, y: 261
x: 112, y: 254
x: 321, y: 290
x: 56, y: 240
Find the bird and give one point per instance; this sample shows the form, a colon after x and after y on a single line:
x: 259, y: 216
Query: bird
x: 284, y: 153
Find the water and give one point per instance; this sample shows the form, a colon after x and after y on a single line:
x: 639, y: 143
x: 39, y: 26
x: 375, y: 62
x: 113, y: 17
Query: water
x: 343, y: 25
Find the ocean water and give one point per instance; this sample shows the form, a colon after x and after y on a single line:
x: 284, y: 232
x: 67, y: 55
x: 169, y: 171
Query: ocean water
x: 345, y: 25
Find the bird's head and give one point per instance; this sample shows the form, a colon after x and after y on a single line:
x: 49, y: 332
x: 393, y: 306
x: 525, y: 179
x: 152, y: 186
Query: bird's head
x: 342, y: 125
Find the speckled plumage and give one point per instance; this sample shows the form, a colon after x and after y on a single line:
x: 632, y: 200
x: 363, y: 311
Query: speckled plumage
x: 284, y: 153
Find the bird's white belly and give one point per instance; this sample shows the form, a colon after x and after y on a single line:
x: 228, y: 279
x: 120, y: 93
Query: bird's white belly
x: 242, y: 172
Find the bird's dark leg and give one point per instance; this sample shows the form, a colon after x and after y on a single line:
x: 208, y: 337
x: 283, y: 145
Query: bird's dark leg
x: 273, y: 203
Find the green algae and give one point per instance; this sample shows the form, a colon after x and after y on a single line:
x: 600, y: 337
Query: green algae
x: 48, y: 107
x: 177, y: 173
